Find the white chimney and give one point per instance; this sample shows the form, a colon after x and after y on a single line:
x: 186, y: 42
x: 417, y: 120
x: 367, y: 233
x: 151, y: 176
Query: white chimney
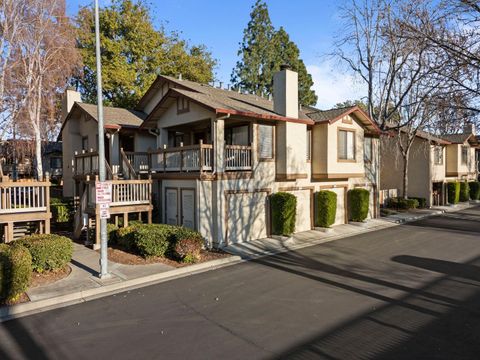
x: 285, y: 92
x: 469, y: 129
x: 69, y: 98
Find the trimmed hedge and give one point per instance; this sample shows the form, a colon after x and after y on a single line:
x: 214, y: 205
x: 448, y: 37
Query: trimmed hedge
x: 15, y: 271
x: 284, y: 213
x: 326, y: 208
x: 358, y: 203
x: 422, y: 202
x: 475, y: 190
x: 403, y: 204
x: 153, y: 239
x: 453, y: 189
x: 112, y: 233
x: 187, y: 244
x: 464, y: 191
x: 49, y: 252
x: 125, y: 237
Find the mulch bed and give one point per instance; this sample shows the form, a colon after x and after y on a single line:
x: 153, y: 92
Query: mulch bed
x: 41, y: 279
x: 122, y: 257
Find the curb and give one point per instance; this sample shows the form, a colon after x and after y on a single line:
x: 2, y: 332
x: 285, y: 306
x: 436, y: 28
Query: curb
x: 29, y: 308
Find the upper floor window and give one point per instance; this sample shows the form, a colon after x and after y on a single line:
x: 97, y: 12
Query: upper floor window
x: 464, y: 155
x: 183, y: 105
x: 346, y: 145
x: 265, y: 142
x: 309, y: 145
x: 438, y: 155
x: 367, y: 149
x: 238, y: 135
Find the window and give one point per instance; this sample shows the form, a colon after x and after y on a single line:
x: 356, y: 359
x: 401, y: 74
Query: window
x: 85, y: 143
x: 367, y: 149
x: 309, y: 145
x: 438, y: 155
x: 237, y: 135
x: 265, y: 141
x: 55, y: 163
x: 183, y: 105
x: 464, y: 155
x: 346, y: 145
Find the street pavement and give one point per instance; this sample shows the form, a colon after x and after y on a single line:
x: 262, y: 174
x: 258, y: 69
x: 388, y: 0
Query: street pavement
x: 407, y: 292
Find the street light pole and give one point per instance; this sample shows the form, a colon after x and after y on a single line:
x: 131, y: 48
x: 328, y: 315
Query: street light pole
x: 101, y: 145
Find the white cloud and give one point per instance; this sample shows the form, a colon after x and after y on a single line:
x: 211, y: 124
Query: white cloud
x: 333, y: 85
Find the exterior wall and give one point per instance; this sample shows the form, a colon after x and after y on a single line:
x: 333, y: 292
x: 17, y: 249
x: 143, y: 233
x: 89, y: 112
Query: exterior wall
x: 325, y: 149
x: 144, y: 141
x: 455, y: 169
x: 291, y: 150
x: 438, y: 171
x: 452, y: 159
x: 171, y: 118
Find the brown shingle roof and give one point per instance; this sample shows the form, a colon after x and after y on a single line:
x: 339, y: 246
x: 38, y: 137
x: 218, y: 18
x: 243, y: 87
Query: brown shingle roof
x: 115, y: 115
x: 327, y: 115
x: 457, y: 138
x: 427, y: 136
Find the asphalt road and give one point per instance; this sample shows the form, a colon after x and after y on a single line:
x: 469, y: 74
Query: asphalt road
x: 409, y: 292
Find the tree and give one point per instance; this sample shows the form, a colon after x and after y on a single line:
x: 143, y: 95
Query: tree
x: 44, y: 57
x: 133, y: 53
x: 262, y: 51
x: 350, y: 103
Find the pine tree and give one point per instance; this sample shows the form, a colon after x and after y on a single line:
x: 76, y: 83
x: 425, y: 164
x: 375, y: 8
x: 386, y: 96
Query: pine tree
x: 253, y: 72
x: 133, y: 52
x: 261, y: 53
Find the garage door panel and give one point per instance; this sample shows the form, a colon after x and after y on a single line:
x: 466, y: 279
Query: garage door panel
x: 304, y: 211
x: 247, y: 219
x: 340, y: 214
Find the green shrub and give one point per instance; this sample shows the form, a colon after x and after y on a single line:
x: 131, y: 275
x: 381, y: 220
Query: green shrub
x: 358, y: 203
x: 464, y: 191
x: 422, y: 202
x: 453, y: 192
x: 284, y: 213
x: 125, y: 237
x: 153, y: 239
x: 49, y: 251
x: 403, y: 204
x: 15, y: 271
x: 475, y: 190
x: 112, y: 233
x: 62, y: 210
x: 186, y: 244
x: 326, y: 208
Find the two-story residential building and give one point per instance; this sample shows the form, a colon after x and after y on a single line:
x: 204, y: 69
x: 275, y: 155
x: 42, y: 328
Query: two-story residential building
x: 221, y: 153
x: 434, y: 161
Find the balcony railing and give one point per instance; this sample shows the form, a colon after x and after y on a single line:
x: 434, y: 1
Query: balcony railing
x: 193, y: 158
x: 125, y: 192
x: 24, y: 197
x: 238, y: 157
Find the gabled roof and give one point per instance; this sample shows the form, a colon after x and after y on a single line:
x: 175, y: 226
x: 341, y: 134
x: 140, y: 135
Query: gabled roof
x: 333, y: 115
x: 430, y: 137
x: 461, y: 138
x: 114, y: 115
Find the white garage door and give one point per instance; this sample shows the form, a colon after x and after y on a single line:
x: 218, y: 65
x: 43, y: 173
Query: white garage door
x: 304, y: 212
x: 340, y: 215
x: 247, y: 217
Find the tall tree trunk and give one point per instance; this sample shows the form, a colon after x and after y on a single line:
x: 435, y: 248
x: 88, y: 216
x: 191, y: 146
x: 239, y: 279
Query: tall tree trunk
x: 405, y: 174
x: 38, y: 135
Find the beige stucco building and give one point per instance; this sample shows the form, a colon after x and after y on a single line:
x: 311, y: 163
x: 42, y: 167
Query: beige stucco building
x: 433, y: 162
x: 219, y: 154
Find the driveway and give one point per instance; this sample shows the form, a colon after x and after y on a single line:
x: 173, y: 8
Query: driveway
x: 408, y: 292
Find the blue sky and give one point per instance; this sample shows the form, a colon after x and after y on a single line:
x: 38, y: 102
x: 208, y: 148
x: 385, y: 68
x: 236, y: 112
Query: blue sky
x: 312, y: 24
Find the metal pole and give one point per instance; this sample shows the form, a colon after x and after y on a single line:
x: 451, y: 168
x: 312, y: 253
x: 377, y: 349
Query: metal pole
x: 101, y: 145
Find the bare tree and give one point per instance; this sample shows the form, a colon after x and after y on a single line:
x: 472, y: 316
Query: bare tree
x: 44, y: 59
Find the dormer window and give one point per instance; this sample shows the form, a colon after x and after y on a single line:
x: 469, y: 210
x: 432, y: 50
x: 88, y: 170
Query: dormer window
x: 183, y: 105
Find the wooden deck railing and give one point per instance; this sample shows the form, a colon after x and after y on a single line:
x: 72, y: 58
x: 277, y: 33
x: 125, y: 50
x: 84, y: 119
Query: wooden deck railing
x: 182, y: 159
x: 24, y: 197
x: 125, y: 192
x: 86, y: 163
x: 238, y: 157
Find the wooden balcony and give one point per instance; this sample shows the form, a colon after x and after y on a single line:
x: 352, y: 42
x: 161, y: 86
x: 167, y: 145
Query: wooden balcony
x: 24, y: 201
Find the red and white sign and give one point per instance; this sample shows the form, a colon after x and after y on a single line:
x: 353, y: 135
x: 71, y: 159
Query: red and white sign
x: 103, y: 192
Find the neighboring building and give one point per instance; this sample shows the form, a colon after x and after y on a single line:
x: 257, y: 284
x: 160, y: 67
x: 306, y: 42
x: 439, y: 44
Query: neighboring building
x: 426, y: 167
x: 79, y: 133
x: 434, y: 161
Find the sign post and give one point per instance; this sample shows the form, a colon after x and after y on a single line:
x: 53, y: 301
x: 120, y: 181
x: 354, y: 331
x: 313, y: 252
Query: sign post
x: 101, y: 146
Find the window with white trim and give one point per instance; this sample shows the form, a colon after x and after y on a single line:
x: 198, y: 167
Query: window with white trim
x: 346, y: 145
x: 265, y: 141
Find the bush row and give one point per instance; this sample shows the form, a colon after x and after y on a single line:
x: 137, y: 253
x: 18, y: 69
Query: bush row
x: 160, y: 240
x: 475, y: 190
x: 403, y: 204
x: 358, y: 204
x: 463, y: 191
x: 45, y: 252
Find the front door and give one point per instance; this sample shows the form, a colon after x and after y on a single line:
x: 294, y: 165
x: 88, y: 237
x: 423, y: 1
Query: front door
x: 188, y: 208
x: 171, y: 206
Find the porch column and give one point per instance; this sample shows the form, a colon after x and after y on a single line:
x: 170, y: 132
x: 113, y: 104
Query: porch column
x: 162, y: 138
x: 218, y: 188
x: 114, y: 150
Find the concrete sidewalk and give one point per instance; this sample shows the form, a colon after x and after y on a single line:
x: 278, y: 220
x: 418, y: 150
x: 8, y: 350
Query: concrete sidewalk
x: 269, y: 246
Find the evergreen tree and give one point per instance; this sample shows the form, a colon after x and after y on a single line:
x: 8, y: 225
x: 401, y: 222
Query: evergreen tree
x: 253, y: 72
x: 262, y: 51
x: 133, y: 52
